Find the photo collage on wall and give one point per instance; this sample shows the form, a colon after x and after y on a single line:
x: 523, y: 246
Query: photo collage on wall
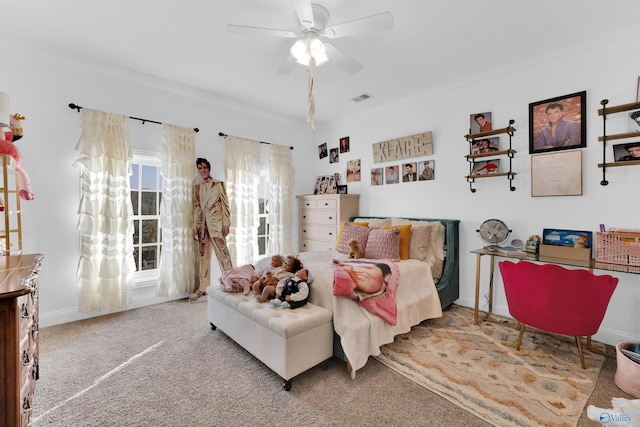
x: 330, y: 184
x: 422, y: 170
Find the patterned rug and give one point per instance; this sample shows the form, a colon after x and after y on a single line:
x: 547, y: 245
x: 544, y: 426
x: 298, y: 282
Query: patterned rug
x: 479, y: 369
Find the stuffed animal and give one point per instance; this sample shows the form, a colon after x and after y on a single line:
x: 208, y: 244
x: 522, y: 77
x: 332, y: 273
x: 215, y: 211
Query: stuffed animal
x: 354, y: 249
x: 7, y: 146
x: 580, y: 242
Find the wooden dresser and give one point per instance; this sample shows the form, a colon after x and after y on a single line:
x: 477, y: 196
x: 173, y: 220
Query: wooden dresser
x: 320, y: 218
x: 18, y: 337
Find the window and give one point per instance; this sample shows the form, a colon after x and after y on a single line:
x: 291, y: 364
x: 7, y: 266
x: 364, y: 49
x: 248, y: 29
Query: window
x: 146, y: 194
x: 263, y: 203
x: 263, y: 216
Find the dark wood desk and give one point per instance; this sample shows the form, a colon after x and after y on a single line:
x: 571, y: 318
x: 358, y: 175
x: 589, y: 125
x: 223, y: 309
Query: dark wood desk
x: 590, y: 264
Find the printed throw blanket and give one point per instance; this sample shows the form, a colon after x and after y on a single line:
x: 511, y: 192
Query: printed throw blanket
x: 372, y: 283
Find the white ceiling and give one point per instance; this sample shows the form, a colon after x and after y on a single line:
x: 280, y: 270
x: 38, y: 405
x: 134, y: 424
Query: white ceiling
x: 434, y: 42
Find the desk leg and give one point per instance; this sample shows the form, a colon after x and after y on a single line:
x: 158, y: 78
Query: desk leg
x: 475, y: 313
x: 491, y: 271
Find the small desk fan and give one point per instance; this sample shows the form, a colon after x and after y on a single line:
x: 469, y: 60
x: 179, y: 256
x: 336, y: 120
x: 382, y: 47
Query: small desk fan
x: 494, y: 232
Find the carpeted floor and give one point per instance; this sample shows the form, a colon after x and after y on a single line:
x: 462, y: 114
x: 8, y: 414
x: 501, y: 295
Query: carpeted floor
x: 162, y: 365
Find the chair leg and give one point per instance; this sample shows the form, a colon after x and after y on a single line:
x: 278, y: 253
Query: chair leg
x: 520, y: 336
x: 579, y: 344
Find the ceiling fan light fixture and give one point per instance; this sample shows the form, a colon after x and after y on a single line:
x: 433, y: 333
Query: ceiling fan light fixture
x: 305, y: 49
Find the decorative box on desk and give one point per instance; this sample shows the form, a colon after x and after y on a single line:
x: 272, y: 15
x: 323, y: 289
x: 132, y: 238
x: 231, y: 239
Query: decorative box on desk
x: 618, y: 247
x: 566, y: 252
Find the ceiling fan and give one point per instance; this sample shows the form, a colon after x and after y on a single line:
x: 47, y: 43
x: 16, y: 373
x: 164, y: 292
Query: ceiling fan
x: 312, y: 29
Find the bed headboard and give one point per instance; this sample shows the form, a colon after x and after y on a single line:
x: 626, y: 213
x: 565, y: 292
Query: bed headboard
x: 449, y: 284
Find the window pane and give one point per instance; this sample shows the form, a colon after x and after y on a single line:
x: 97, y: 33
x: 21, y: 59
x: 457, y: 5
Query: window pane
x: 149, y: 231
x: 149, y: 203
x: 261, y: 206
x: 149, y: 258
x: 262, y: 245
x: 134, y: 202
x: 136, y: 232
x: 149, y: 177
x: 135, y: 259
x: 134, y: 179
x: 262, y: 227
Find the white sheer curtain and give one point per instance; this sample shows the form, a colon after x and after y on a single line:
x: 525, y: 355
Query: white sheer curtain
x: 106, y: 264
x: 280, y: 200
x: 178, y: 257
x: 243, y: 181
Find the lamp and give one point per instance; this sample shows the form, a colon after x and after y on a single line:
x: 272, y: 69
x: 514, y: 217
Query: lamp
x: 309, y: 47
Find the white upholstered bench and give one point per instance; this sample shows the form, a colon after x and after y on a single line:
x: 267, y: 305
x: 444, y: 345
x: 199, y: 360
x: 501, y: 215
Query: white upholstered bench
x: 287, y: 341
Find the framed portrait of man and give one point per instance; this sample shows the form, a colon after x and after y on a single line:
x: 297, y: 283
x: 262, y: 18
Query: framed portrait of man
x: 558, y: 123
x: 480, y: 122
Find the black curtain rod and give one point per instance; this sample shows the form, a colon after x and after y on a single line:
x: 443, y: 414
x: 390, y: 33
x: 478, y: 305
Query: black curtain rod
x: 224, y: 135
x: 77, y: 107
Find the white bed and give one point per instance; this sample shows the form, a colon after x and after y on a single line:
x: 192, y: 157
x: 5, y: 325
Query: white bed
x: 361, y: 332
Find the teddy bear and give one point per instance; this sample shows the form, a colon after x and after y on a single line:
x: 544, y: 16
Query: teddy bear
x: 7, y: 139
x: 354, y: 249
x: 580, y: 242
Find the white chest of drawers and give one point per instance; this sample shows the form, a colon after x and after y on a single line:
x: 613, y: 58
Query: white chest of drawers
x: 320, y: 218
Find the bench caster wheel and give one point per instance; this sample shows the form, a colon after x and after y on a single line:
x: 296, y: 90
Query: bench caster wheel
x: 212, y: 326
x: 286, y: 385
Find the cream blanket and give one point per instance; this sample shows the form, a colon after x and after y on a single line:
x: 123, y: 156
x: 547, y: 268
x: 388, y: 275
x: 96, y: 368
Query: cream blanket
x: 361, y: 332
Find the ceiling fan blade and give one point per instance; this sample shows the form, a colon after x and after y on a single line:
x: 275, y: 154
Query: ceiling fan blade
x: 258, y: 31
x: 305, y: 12
x: 287, y: 65
x: 369, y: 24
x: 342, y: 59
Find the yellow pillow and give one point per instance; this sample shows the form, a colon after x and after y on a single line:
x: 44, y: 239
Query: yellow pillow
x: 342, y: 223
x: 405, y: 235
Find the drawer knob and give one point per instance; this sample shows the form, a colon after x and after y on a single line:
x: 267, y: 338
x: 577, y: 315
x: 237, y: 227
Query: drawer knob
x: 330, y: 217
x: 330, y: 234
x: 26, y: 405
x: 25, y: 358
x: 326, y: 204
x: 304, y: 231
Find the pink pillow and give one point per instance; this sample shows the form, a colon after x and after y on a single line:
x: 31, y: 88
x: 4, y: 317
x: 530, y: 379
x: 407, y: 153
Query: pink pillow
x: 349, y: 232
x: 383, y: 244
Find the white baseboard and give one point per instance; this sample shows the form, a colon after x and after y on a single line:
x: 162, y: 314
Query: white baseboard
x: 141, y: 298
x: 604, y: 335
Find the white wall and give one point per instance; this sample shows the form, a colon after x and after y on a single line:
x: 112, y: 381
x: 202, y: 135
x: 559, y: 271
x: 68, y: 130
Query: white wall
x: 607, y: 67
x: 41, y: 84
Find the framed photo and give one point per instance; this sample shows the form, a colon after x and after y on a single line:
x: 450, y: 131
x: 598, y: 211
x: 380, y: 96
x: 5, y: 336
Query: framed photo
x: 486, y: 167
x: 353, y: 170
x: 558, y: 123
x: 322, y: 151
x: 344, y: 144
x: 409, y: 173
x: 376, y: 176
x: 480, y: 122
x: 342, y: 189
x: 334, y: 157
x: 634, y: 121
x: 626, y: 152
x: 556, y: 174
x: 426, y: 170
x: 325, y: 184
x: 391, y: 175
x: 485, y: 145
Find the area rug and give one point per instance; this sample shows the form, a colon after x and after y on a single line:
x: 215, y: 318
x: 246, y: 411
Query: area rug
x: 479, y: 369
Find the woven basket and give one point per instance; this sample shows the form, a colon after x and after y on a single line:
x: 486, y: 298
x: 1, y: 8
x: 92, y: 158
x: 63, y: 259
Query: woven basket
x: 628, y: 372
x: 618, y: 248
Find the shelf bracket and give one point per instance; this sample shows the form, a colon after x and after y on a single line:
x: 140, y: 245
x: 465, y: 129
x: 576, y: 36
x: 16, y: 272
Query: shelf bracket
x: 604, y: 103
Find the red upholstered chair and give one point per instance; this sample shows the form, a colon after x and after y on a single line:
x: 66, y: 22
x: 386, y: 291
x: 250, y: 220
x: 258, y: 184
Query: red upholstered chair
x: 556, y: 299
